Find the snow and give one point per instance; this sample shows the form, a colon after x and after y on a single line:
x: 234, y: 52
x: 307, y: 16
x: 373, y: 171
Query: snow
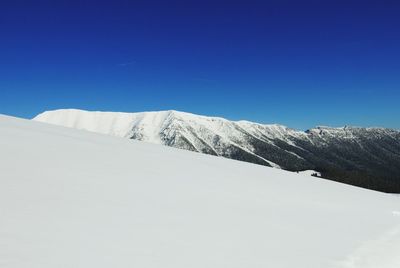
x: 111, y: 123
x: 71, y: 198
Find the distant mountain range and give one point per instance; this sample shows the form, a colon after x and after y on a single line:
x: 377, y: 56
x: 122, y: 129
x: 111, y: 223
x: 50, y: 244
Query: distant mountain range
x: 365, y: 157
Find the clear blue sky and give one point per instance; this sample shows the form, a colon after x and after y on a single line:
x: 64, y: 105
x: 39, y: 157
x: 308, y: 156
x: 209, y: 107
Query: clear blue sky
x: 298, y: 63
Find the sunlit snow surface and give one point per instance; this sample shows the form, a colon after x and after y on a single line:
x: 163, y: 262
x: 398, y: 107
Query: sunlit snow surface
x: 71, y: 198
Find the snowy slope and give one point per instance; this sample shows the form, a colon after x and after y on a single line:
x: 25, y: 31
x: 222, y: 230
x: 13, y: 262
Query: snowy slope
x: 71, y: 198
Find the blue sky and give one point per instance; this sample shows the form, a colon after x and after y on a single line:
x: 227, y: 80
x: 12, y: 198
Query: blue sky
x: 298, y: 63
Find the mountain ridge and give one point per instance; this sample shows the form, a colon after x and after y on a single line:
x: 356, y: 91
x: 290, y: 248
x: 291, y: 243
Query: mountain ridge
x: 366, y: 157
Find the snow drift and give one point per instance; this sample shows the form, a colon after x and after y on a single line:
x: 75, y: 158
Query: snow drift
x: 71, y: 198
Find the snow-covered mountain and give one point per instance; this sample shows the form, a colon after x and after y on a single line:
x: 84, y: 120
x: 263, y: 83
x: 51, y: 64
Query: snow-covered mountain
x: 367, y: 157
x: 71, y: 198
